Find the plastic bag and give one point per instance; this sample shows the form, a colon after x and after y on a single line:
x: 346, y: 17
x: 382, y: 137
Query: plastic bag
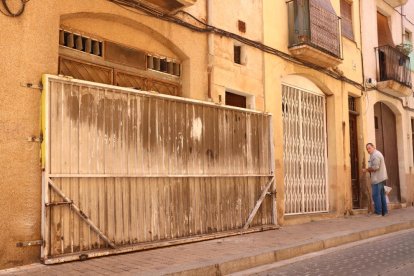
x: 387, y: 189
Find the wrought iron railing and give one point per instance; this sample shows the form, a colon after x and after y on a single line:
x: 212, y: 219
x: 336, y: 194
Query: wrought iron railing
x: 393, y: 65
x: 311, y: 23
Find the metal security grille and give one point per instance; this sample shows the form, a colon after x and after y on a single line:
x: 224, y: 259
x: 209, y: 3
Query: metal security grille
x: 304, y: 137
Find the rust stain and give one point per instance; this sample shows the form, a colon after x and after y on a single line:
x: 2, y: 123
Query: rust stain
x: 73, y: 102
x: 132, y: 122
x: 101, y: 118
x: 211, y: 154
x: 113, y: 122
x: 86, y: 106
x: 145, y: 127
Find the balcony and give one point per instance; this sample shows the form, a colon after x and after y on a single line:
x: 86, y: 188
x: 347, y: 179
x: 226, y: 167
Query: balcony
x: 166, y: 6
x: 314, y: 32
x: 394, y: 74
x: 396, y: 3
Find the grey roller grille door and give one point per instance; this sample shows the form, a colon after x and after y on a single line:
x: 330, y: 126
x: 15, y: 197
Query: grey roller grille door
x: 304, y: 137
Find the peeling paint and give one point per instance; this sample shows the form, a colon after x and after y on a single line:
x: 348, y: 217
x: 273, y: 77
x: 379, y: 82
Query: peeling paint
x: 197, y: 129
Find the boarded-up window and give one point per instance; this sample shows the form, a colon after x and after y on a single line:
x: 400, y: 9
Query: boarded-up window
x: 85, y: 71
x: 235, y: 100
x: 237, y: 54
x: 346, y: 19
x: 91, y: 72
x: 124, y: 55
x: 384, y: 31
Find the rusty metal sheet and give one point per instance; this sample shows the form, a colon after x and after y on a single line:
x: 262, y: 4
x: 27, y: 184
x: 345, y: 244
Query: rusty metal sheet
x: 148, y: 167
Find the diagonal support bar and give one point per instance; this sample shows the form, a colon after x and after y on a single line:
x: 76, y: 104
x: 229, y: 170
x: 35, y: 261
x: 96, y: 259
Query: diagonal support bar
x: 80, y: 213
x: 258, y: 203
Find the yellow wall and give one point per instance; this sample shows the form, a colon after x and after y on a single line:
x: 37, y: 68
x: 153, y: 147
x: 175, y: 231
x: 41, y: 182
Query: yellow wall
x: 22, y: 61
x: 276, y: 69
x: 403, y: 107
x: 29, y: 47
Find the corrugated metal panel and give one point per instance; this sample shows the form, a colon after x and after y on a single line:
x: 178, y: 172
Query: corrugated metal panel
x: 148, y: 168
x: 113, y: 132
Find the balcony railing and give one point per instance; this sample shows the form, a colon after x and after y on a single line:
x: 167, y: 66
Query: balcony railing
x: 393, y: 65
x: 311, y: 23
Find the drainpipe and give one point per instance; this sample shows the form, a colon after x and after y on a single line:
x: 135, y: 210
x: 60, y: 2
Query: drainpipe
x: 402, y: 24
x: 263, y: 59
x: 362, y: 47
x: 210, y: 48
x: 363, y: 179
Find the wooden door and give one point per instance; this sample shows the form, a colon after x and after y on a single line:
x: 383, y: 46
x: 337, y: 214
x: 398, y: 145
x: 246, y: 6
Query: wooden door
x: 386, y: 139
x: 353, y: 139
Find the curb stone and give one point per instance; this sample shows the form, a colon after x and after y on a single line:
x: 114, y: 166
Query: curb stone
x: 245, y: 263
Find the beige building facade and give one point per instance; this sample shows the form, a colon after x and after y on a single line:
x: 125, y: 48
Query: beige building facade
x: 313, y: 163
x: 300, y: 61
x: 387, y: 28
x: 117, y: 43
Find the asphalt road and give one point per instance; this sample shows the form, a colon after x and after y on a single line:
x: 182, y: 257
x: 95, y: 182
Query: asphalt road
x: 386, y: 255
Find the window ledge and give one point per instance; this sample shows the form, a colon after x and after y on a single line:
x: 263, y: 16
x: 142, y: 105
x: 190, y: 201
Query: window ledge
x: 315, y: 56
x: 394, y: 88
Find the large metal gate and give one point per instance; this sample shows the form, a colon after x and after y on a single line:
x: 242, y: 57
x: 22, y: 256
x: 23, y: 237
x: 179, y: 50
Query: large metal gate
x: 304, y: 150
x: 128, y: 170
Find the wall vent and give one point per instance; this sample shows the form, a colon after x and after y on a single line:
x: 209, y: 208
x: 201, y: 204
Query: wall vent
x: 164, y: 65
x: 79, y: 42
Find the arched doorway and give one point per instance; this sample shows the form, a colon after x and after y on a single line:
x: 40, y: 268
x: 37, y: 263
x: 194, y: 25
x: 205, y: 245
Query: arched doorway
x: 102, y: 54
x: 386, y: 139
x: 305, y: 148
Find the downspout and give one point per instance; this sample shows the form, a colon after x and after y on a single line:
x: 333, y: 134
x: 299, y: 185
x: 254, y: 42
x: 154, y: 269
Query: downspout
x: 363, y: 180
x: 404, y: 103
x: 402, y: 24
x: 263, y: 59
x: 210, y: 49
x: 362, y: 47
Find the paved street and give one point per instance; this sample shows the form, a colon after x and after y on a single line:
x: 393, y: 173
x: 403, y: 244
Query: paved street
x: 389, y: 255
x: 276, y: 247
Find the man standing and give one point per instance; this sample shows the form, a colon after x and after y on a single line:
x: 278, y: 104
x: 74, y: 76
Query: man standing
x: 378, y: 171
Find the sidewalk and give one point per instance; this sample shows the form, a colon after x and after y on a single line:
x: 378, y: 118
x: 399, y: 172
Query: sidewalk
x: 232, y: 254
